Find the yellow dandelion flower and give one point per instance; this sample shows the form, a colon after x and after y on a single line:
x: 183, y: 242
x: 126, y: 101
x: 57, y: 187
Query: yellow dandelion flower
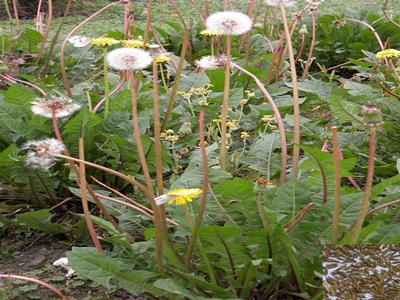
x: 181, y: 93
x: 162, y: 59
x: 243, y: 101
x: 244, y: 135
x: 208, y: 33
x: 232, y: 124
x: 388, y: 53
x: 266, y: 118
x: 183, y: 196
x: 133, y: 44
x: 104, y: 42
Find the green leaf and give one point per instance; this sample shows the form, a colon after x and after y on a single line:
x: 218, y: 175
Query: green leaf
x: 172, y: 286
x: 40, y: 220
x: 105, y: 270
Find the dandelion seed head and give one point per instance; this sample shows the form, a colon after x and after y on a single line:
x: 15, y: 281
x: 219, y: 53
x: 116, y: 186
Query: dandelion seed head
x: 211, y: 62
x: 129, y: 59
x: 61, y: 106
x: 41, y: 153
x: 229, y: 22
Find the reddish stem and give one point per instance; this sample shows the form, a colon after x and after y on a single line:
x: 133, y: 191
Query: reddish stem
x: 38, y: 18
x: 37, y: 281
x: 112, y: 93
x: 16, y: 80
x: 203, y: 200
x: 278, y: 118
x: 311, y: 51
x: 48, y: 26
x: 383, y: 206
x: 64, y: 43
x: 301, y: 50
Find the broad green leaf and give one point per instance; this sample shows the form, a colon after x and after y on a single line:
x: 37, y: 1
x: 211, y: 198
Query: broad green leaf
x: 105, y: 270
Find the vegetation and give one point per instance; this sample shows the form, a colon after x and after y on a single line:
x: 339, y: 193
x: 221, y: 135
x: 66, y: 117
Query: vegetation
x: 173, y: 155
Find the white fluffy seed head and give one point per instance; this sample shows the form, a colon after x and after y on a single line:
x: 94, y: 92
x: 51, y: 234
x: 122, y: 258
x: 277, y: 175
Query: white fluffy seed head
x: 229, y: 22
x: 211, y: 62
x: 41, y: 153
x: 287, y: 3
x: 128, y: 59
x: 62, y: 107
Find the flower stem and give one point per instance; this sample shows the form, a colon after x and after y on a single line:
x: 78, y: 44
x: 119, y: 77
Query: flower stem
x: 157, y: 131
x: 85, y: 205
x: 139, y: 146
x: 203, y: 200
x: 368, y: 186
x: 64, y: 43
x: 48, y: 26
x: 75, y: 169
x: 296, y: 104
x: 336, y: 174
x: 278, y: 118
x: 171, y: 103
x: 106, y: 86
x: 311, y: 51
x: 37, y: 281
x: 225, y: 104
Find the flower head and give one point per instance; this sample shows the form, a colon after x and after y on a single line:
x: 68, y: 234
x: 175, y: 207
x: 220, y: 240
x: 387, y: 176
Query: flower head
x: 388, y: 53
x: 79, y: 41
x: 41, y: 154
x: 372, y: 116
x: 244, y: 135
x: 162, y: 59
x: 210, y: 62
x: 104, y: 42
x: 229, y: 22
x: 280, y: 2
x: 208, y: 33
x: 61, y: 106
x: 179, y: 196
x: 128, y: 59
x: 133, y: 43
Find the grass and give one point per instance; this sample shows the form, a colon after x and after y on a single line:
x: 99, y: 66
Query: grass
x: 111, y: 20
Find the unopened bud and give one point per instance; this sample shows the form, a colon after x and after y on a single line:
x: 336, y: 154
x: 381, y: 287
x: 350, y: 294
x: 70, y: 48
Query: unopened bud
x: 372, y: 116
x: 303, y: 29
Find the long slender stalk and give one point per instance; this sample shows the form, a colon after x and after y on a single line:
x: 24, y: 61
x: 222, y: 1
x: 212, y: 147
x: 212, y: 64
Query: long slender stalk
x: 296, y: 103
x: 112, y: 93
x: 48, y: 27
x: 376, y: 34
x: 298, y: 217
x: 203, y: 200
x: 311, y: 51
x: 75, y: 169
x: 171, y: 102
x: 37, y: 281
x: 17, y: 22
x: 367, y: 191
x: 106, y: 85
x: 225, y: 105
x: 142, y: 158
x: 157, y: 131
x: 383, y: 206
x: 85, y: 205
x: 278, y: 118
x: 38, y: 11
x: 64, y: 43
x: 55, y: 38
x: 336, y: 174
